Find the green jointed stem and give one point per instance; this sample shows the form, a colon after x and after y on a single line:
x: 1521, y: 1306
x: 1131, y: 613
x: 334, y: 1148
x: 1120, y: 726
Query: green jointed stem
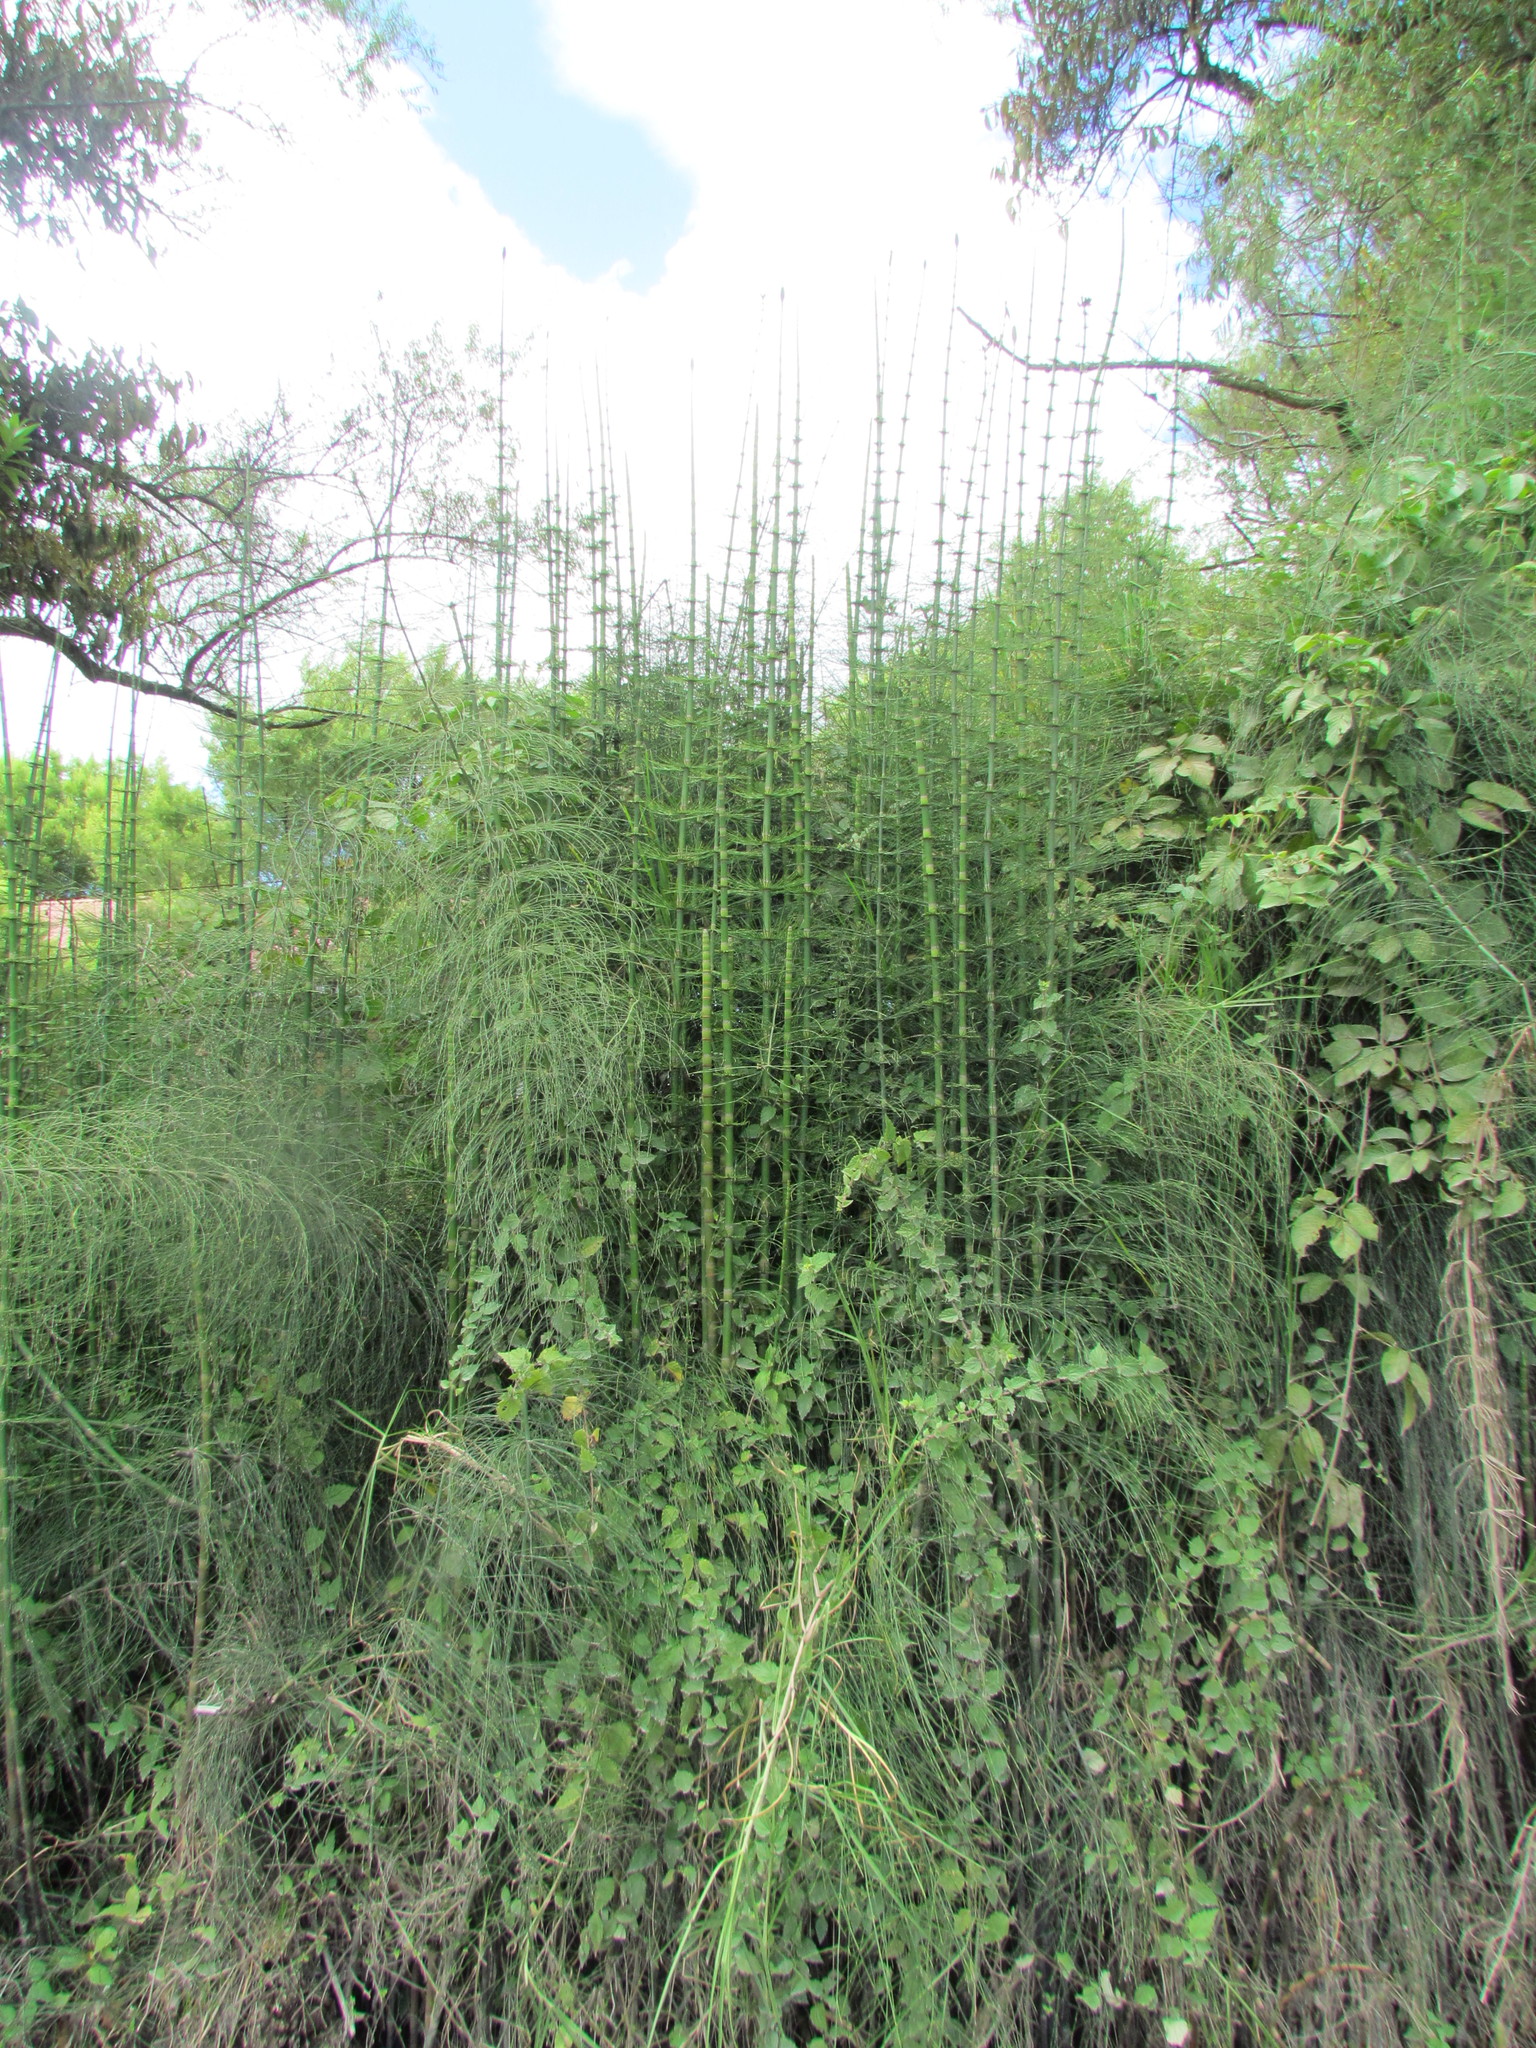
x: 504, y: 557
x: 935, y: 952
x: 806, y: 718
x: 18, y: 919
x: 202, y: 1493
x: 792, y: 1076
x: 639, y: 895
x: 771, y: 993
x: 682, y: 846
x: 707, y: 1256
x: 989, y: 936
x: 18, y: 1816
x: 728, y: 1262
x: 961, y: 699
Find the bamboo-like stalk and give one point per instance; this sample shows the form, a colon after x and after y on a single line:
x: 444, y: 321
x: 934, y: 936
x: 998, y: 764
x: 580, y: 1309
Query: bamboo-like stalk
x: 728, y: 1263
x: 629, y: 1166
x: 771, y: 992
x: 202, y: 1494
x: 806, y: 722
x: 453, y: 1250
x: 791, y: 1066
x: 556, y: 595
x: 505, y: 571
x: 960, y: 633
x: 1055, y: 738
x: 243, y: 705
x: 601, y: 570
x: 128, y: 833
x: 1084, y: 515
x: 682, y: 848
x: 886, y: 861
x: 106, y: 948
x: 120, y: 909
x: 18, y: 1815
x: 17, y: 919
x: 18, y: 916
x: 1043, y: 1246
x: 707, y: 1267
x: 1030, y: 609
x: 934, y: 951
x: 989, y: 916
x: 872, y: 841
x: 29, y: 814
x: 260, y: 793
x: 1038, y: 1587
x: 925, y: 693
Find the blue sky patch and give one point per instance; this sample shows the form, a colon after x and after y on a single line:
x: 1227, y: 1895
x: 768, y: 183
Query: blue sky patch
x: 588, y: 188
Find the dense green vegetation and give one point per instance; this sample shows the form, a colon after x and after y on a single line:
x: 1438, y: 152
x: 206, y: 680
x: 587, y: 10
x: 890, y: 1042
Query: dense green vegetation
x: 817, y: 1325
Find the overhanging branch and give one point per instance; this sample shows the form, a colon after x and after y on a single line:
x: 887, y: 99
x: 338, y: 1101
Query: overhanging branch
x: 1215, y: 373
x: 80, y: 658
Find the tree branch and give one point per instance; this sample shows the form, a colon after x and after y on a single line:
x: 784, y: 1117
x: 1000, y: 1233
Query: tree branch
x: 1215, y: 373
x: 87, y: 664
x: 330, y: 571
x: 1223, y: 79
x: 80, y: 657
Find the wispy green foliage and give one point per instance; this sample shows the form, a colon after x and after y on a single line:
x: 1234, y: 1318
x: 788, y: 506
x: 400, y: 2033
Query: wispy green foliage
x: 868, y: 1529
x: 727, y: 1344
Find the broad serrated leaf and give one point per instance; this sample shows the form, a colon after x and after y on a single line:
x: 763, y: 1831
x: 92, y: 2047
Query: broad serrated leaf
x: 1358, y: 1217
x: 1344, y: 1240
x: 1306, y: 1228
x: 1510, y: 1199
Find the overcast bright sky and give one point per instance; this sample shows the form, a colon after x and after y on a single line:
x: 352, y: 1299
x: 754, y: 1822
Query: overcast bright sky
x: 659, y: 172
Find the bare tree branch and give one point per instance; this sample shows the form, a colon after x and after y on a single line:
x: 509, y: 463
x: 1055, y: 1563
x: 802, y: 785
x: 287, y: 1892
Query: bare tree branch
x: 1252, y: 387
x: 94, y: 670
x: 329, y: 571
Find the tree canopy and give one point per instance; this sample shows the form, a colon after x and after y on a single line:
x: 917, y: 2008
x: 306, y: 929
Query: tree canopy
x: 143, y: 553
x: 129, y: 545
x: 1104, y: 86
x: 91, y: 120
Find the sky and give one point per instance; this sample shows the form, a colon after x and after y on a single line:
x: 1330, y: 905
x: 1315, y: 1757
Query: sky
x: 589, y: 187
x: 679, y: 209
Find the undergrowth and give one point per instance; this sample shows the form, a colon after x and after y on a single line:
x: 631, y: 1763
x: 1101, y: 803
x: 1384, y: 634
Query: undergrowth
x: 724, y: 1346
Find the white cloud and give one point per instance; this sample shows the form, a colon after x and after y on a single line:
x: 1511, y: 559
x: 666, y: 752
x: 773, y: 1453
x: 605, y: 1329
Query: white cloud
x: 839, y: 156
